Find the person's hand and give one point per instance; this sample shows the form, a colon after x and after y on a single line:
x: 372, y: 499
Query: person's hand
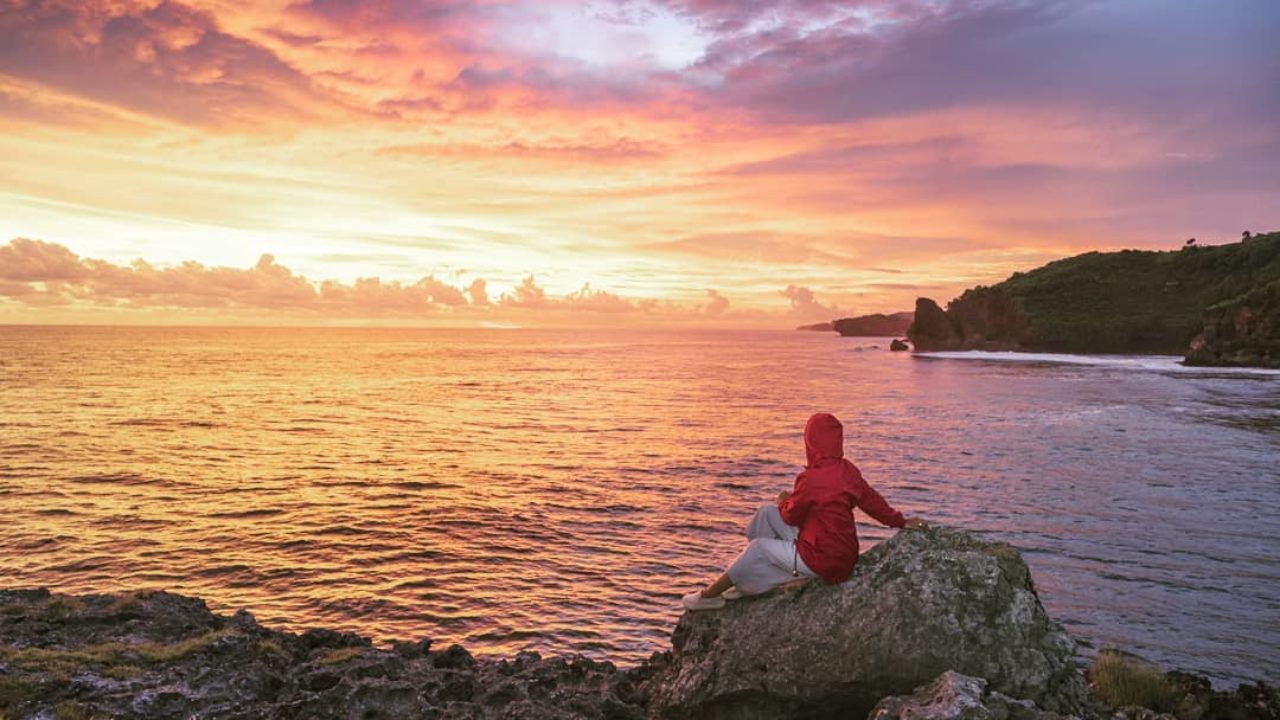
x: 915, y: 524
x: 782, y: 496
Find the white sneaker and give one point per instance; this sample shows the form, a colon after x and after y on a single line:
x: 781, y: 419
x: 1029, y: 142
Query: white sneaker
x: 732, y: 593
x: 695, y: 601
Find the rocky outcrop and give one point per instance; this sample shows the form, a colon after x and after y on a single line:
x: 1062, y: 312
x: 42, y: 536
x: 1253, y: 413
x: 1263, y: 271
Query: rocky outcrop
x: 953, y: 696
x: 159, y: 655
x: 980, y: 319
x: 819, y: 327
x: 899, y: 346
x: 1243, y: 331
x: 917, y: 605
x: 877, y: 325
x: 933, y: 330
x: 1130, y: 301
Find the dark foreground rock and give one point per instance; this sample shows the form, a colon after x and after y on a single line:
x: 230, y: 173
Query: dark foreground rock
x: 159, y: 655
x: 917, y: 605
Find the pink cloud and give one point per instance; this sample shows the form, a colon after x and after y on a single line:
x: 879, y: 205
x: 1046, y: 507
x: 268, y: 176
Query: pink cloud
x: 478, y: 292
x: 528, y: 295
x: 41, y: 272
x: 163, y: 58
x: 805, y: 304
x: 717, y: 304
x: 24, y: 261
x: 38, y: 274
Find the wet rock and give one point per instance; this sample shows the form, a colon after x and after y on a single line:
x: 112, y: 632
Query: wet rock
x: 243, y: 621
x: 411, y: 650
x: 455, y: 656
x: 899, y: 346
x: 320, y: 638
x: 919, y: 604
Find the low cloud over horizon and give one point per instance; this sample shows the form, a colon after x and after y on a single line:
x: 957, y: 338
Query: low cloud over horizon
x: 41, y: 280
x: 634, y: 154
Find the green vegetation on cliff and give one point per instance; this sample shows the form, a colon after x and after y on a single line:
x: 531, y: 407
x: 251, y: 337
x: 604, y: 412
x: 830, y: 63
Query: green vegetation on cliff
x: 1132, y: 301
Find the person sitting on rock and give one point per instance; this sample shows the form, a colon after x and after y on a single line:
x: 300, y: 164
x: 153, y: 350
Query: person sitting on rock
x: 809, y: 532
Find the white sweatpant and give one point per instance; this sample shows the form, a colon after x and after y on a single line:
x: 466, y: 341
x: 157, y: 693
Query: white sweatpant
x: 770, y: 557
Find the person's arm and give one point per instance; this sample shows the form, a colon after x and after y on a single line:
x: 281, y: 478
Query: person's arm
x: 876, y: 506
x: 795, y: 505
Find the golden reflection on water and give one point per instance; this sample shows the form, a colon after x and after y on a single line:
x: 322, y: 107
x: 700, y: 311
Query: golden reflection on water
x: 560, y: 490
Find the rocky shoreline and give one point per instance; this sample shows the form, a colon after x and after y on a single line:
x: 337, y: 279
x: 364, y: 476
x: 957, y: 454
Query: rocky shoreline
x: 937, y: 624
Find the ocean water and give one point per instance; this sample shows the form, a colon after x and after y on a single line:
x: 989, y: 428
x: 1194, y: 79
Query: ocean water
x: 559, y: 490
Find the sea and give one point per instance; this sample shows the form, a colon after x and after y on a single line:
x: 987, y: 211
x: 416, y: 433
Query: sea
x: 559, y: 490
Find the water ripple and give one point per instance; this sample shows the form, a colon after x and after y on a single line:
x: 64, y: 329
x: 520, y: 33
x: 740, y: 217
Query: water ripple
x: 559, y: 490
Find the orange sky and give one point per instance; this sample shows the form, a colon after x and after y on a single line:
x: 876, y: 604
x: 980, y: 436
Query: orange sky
x: 667, y: 161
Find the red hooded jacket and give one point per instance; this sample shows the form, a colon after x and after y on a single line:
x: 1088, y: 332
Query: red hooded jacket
x: 822, y: 503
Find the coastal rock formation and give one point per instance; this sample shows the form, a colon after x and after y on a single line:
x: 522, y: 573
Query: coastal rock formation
x: 919, y: 604
x: 159, y: 655
x: 953, y: 696
x: 980, y: 319
x: 933, y: 329
x: 1130, y: 301
x: 899, y: 346
x: 1241, y: 331
x: 819, y: 327
x: 877, y: 325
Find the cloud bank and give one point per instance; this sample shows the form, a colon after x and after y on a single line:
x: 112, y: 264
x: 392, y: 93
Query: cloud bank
x: 39, y: 276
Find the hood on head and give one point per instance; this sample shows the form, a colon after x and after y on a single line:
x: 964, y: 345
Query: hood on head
x: 823, y: 440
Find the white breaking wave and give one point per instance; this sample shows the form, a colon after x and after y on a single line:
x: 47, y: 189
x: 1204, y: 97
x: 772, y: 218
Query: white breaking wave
x: 1147, y: 363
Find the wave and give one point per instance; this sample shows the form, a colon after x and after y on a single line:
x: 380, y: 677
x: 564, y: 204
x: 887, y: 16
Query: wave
x: 1146, y: 363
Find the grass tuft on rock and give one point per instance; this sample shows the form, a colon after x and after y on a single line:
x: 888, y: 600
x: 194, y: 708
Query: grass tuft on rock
x: 115, y: 653
x: 1118, y: 680
x: 340, y: 655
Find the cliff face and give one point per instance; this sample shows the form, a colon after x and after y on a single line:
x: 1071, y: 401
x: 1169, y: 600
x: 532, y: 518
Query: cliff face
x: 980, y: 319
x: 1123, y: 302
x: 1242, y: 331
x: 877, y: 325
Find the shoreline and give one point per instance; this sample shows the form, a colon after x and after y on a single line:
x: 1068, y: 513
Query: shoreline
x: 927, y: 612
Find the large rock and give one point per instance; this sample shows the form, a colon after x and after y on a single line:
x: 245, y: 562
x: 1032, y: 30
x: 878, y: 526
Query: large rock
x: 917, y: 605
x: 953, y: 696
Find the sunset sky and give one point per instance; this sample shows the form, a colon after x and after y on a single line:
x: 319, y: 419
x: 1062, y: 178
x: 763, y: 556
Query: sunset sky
x: 732, y: 162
